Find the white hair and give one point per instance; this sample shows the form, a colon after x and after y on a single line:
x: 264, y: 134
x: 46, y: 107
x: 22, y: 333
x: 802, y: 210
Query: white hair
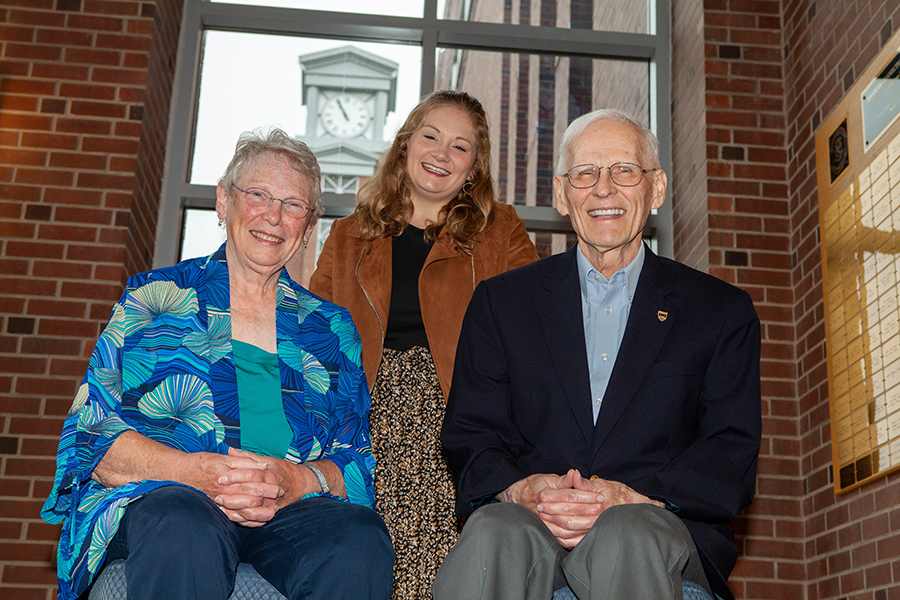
x: 649, y: 149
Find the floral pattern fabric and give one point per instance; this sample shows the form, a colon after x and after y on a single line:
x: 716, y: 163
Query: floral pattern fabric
x: 164, y: 367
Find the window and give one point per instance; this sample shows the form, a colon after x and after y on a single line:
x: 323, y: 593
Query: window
x: 534, y: 66
x: 397, y: 8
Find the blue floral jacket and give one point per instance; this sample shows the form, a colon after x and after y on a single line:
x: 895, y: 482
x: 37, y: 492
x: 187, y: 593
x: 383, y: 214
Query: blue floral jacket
x: 164, y: 367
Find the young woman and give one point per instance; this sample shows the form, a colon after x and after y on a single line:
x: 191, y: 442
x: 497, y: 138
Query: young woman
x: 426, y: 230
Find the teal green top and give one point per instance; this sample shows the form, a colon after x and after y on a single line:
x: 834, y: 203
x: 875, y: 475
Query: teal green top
x: 264, y: 427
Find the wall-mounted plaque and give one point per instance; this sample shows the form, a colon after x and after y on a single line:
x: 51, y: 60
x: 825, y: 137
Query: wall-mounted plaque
x: 838, y: 152
x: 881, y: 101
x: 858, y: 174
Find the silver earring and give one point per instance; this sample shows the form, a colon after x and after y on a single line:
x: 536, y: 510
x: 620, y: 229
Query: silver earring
x: 221, y: 222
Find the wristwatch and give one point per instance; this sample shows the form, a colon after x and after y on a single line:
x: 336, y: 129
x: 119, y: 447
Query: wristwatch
x: 322, y: 482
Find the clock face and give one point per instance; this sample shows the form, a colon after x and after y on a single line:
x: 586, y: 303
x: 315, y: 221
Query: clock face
x: 345, y: 116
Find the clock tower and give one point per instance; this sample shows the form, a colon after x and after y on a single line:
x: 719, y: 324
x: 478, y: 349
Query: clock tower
x: 348, y: 93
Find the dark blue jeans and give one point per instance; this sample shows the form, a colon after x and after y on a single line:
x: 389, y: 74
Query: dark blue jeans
x: 178, y: 544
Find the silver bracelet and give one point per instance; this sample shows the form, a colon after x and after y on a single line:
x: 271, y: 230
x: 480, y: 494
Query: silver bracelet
x: 320, y: 477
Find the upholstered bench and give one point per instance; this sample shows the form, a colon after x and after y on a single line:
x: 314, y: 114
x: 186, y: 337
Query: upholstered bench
x: 691, y: 591
x: 248, y: 584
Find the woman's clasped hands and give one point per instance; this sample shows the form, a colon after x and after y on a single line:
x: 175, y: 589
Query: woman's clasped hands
x: 242, y: 484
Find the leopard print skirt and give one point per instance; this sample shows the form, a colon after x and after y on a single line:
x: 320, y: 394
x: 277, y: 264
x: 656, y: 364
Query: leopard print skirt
x: 413, y: 489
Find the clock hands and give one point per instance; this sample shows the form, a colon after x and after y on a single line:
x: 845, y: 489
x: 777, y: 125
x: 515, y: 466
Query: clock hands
x: 345, y: 116
x: 341, y: 106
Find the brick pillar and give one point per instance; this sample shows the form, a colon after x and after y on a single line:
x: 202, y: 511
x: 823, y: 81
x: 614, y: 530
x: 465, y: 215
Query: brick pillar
x: 84, y: 103
x: 732, y: 218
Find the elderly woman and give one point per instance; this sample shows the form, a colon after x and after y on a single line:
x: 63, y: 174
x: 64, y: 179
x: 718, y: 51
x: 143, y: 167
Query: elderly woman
x: 425, y: 231
x: 224, y: 416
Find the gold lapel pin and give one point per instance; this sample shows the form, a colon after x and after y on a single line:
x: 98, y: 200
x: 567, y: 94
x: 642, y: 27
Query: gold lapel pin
x: 661, y: 315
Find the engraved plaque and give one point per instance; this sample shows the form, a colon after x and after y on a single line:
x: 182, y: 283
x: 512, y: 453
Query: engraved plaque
x: 877, y: 381
x: 845, y: 455
x: 894, y: 427
x: 844, y: 430
x: 858, y: 178
x: 840, y: 155
x: 880, y: 102
x: 887, y: 281
x: 861, y: 443
x: 879, y: 413
x: 893, y: 402
x: 842, y: 411
x: 889, y: 327
x: 858, y: 397
x: 884, y: 459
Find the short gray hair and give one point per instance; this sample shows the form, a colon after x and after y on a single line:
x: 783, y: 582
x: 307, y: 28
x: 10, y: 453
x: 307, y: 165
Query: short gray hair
x: 650, y: 145
x: 274, y: 140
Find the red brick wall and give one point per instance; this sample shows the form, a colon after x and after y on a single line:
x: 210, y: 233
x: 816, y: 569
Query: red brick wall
x: 852, y: 541
x: 730, y: 214
x: 151, y: 157
x: 82, y: 145
x: 771, y: 73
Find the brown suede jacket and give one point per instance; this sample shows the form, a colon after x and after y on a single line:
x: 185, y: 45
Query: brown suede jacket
x: 357, y: 275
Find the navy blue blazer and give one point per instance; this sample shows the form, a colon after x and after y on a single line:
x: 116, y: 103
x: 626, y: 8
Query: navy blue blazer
x: 681, y: 417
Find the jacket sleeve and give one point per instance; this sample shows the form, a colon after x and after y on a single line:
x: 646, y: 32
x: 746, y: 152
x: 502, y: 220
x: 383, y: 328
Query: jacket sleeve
x: 478, y: 436
x: 330, y: 414
x: 351, y: 448
x: 521, y: 248
x: 320, y: 283
x: 350, y: 445
x: 713, y: 479
x: 94, y: 420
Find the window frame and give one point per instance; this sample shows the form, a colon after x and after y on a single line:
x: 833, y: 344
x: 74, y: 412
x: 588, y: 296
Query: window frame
x: 429, y: 32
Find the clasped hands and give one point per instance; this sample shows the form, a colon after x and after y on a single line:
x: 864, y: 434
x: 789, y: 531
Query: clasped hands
x: 570, y: 504
x: 248, y: 488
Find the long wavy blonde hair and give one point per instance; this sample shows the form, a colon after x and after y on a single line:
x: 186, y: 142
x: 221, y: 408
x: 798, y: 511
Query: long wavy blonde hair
x: 383, y: 204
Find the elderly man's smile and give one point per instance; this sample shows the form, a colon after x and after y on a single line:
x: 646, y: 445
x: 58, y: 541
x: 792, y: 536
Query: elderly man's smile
x: 606, y: 212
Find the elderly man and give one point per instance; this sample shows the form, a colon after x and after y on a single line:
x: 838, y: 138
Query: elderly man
x: 604, y: 416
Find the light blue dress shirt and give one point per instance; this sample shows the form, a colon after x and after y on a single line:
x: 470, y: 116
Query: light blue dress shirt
x: 605, y: 306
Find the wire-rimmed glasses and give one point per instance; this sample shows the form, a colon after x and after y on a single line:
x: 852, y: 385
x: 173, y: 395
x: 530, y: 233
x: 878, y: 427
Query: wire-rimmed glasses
x: 623, y: 174
x: 263, y: 199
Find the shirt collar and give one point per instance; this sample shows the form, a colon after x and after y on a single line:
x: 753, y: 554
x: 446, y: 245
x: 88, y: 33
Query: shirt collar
x: 632, y: 272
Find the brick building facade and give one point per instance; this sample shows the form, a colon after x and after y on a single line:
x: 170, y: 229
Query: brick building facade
x: 85, y: 89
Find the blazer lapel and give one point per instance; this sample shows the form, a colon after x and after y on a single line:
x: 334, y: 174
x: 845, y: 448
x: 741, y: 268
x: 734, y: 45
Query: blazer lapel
x: 649, y: 322
x: 560, y: 314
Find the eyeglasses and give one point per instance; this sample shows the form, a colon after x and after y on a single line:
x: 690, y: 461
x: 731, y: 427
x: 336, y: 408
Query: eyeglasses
x: 623, y: 174
x: 263, y: 199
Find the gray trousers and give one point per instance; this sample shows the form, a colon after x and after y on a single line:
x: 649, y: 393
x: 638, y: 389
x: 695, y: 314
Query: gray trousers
x: 633, y: 552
